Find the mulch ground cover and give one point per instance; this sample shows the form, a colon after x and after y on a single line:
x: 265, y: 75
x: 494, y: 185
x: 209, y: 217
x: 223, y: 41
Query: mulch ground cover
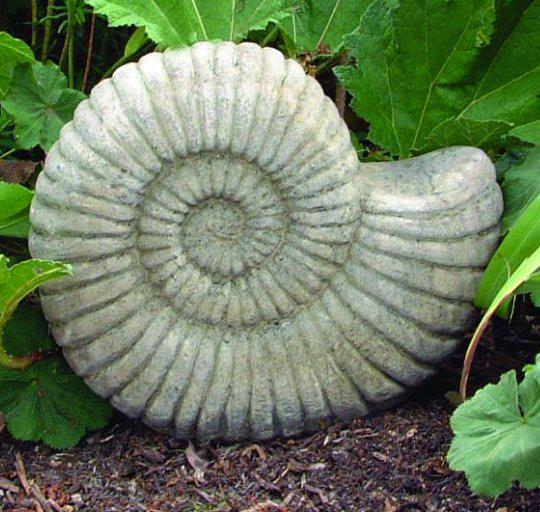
x: 391, y: 462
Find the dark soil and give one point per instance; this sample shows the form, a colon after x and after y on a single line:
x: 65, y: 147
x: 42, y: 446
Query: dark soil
x: 392, y: 462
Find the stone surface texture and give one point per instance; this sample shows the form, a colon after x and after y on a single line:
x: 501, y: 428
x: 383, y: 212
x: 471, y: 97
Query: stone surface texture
x: 237, y: 272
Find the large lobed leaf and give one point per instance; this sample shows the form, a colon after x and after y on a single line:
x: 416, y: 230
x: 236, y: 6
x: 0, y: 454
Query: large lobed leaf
x: 27, y: 331
x: 40, y: 103
x: 15, y: 204
x: 49, y: 403
x: 497, y: 434
x: 315, y: 25
x: 529, y: 132
x: 13, y: 51
x: 506, y: 78
x: 177, y: 23
x: 429, y: 73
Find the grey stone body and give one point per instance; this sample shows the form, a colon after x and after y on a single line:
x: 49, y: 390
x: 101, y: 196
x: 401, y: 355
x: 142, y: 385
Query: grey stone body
x: 237, y: 272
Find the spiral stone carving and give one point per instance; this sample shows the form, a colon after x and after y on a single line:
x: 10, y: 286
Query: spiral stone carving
x: 237, y: 272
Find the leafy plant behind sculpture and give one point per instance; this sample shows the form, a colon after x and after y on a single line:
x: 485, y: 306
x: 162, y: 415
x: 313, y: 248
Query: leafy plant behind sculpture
x: 321, y: 26
x: 177, y: 24
x: 40, y: 103
x: 13, y: 51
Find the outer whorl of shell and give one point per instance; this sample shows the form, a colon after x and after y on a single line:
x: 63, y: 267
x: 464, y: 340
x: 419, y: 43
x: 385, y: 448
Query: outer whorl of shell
x: 237, y: 273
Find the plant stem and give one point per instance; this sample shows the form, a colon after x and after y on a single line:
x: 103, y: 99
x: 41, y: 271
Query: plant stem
x: 63, y: 55
x: 90, y: 49
x: 16, y: 363
x: 48, y: 31
x: 33, y: 3
x: 71, y: 37
x: 7, y: 153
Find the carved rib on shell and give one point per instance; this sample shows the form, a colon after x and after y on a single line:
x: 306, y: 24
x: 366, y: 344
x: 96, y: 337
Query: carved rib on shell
x: 237, y: 272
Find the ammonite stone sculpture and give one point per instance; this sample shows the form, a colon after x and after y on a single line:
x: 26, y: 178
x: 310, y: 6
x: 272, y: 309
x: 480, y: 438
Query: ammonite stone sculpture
x: 237, y: 272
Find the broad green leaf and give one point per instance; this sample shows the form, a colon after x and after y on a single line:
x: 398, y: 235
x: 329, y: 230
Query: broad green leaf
x: 5, y: 119
x: 521, y: 241
x: 6, y: 128
x: 179, y: 23
x: 18, y: 281
x: 40, y: 103
x: 315, y: 25
x: 412, y: 65
x: 27, y: 331
x: 49, y: 403
x: 508, y: 72
x: 528, y: 132
x: 506, y: 78
x: 521, y: 186
x: 497, y: 434
x: 439, y: 72
x: 14, y: 208
x: 484, y: 134
x: 13, y: 51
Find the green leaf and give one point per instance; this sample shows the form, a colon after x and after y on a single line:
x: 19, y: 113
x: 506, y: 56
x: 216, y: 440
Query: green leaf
x: 27, y: 331
x: 507, y: 75
x: 18, y: 281
x: 411, y: 62
x: 497, y: 434
x: 49, y: 403
x: 137, y: 40
x: 40, y: 103
x: 521, y: 186
x: 13, y: 51
x: 521, y: 241
x: 484, y: 134
x: 14, y: 209
x: 440, y: 72
x: 316, y: 24
x: 6, y: 128
x: 532, y: 286
x: 179, y: 23
x: 528, y: 132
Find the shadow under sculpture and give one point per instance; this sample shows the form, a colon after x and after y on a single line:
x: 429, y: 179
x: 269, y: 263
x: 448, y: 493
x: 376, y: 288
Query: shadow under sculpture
x: 238, y: 273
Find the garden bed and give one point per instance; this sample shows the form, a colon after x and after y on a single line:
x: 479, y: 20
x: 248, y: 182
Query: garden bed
x: 391, y: 462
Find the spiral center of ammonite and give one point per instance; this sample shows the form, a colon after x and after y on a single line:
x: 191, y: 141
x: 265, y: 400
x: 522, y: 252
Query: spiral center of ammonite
x: 217, y: 236
x: 227, y: 242
x: 216, y: 220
